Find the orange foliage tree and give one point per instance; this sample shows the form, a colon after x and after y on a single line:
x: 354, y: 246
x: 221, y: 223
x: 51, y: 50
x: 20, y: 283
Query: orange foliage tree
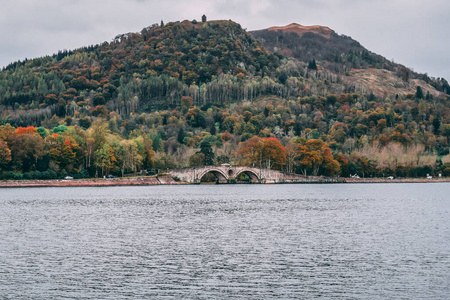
x: 26, y: 130
x: 315, y: 157
x: 263, y: 152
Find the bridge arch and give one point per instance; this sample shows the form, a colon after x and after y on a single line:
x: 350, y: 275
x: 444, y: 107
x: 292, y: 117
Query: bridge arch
x: 221, y: 177
x: 253, y: 176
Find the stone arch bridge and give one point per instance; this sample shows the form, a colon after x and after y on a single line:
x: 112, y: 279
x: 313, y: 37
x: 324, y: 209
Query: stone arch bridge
x: 228, y: 174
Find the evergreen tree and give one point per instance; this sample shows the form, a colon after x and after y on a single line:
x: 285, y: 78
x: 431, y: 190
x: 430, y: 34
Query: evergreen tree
x: 436, y: 125
x: 181, y: 135
x: 419, y: 93
x: 206, y: 150
x: 372, y: 97
x: 204, y: 18
x: 282, y: 78
x: 312, y: 64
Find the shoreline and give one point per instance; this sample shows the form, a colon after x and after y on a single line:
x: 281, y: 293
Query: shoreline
x: 144, y: 181
x: 167, y: 180
x: 403, y: 180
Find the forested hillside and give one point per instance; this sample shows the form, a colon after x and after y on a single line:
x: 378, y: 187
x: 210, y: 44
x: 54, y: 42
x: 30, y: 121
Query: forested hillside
x: 324, y: 49
x: 208, y: 61
x: 193, y: 93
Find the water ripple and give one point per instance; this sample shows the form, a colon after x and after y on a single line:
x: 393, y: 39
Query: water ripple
x: 230, y: 242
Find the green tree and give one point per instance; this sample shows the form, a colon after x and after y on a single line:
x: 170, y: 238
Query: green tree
x: 206, y: 150
x: 197, y: 159
x: 5, y: 154
x: 181, y: 135
x: 446, y: 132
x: 436, y: 125
x: 28, y: 150
x: 312, y: 64
x: 105, y: 159
x: 132, y: 159
x: 419, y: 93
x: 204, y: 18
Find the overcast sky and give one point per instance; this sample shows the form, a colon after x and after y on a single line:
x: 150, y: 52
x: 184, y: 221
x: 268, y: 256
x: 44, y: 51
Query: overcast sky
x: 411, y: 32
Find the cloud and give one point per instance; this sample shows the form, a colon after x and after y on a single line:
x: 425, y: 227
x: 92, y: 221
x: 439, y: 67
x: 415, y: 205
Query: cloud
x: 411, y: 32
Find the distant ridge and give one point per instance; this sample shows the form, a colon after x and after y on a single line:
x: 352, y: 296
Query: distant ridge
x: 300, y: 29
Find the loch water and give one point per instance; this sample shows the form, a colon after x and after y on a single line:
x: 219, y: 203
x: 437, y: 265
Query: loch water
x: 291, y: 241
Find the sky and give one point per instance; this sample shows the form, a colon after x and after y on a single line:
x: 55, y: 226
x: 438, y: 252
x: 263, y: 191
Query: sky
x: 414, y: 33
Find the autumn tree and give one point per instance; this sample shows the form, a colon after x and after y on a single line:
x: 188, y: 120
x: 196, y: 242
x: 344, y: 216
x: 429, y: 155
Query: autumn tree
x: 249, y: 152
x: 307, y: 159
x: 105, y: 159
x: 67, y: 156
x: 292, y: 156
x: 5, y: 154
x: 263, y: 152
x: 27, y: 148
x: 149, y: 154
x: 26, y: 130
x: 132, y: 159
x: 316, y: 156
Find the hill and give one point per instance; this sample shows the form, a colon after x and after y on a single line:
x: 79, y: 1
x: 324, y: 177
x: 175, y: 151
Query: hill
x: 155, y: 67
x: 297, y: 98
x: 344, y: 57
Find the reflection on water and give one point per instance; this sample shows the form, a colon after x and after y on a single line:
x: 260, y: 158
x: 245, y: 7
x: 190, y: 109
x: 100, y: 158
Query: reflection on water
x: 386, y: 241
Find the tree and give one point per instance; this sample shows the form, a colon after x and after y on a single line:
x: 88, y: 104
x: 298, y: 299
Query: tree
x: 263, y: 152
x: 436, y: 125
x: 446, y: 132
x: 149, y: 154
x: 5, y: 154
x: 186, y: 101
x: 316, y: 157
x: 84, y: 123
x: 274, y: 153
x: 204, y: 18
x: 292, y: 155
x: 197, y: 159
x: 98, y: 132
x: 26, y: 130
x: 181, y: 135
x: 312, y: 64
x: 28, y: 150
x: 105, y: 158
x: 206, y: 150
x: 419, y: 93
x: 68, y: 156
x: 132, y: 159
x: 282, y: 78
x: 307, y: 159
x: 249, y: 151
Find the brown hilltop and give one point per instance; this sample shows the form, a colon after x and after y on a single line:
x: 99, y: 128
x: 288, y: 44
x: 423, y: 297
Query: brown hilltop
x: 300, y: 29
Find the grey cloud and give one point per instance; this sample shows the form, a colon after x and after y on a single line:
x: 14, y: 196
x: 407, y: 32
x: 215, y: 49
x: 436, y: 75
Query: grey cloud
x: 412, y: 32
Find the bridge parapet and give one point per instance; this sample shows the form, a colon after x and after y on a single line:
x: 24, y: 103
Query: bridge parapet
x: 227, y: 173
